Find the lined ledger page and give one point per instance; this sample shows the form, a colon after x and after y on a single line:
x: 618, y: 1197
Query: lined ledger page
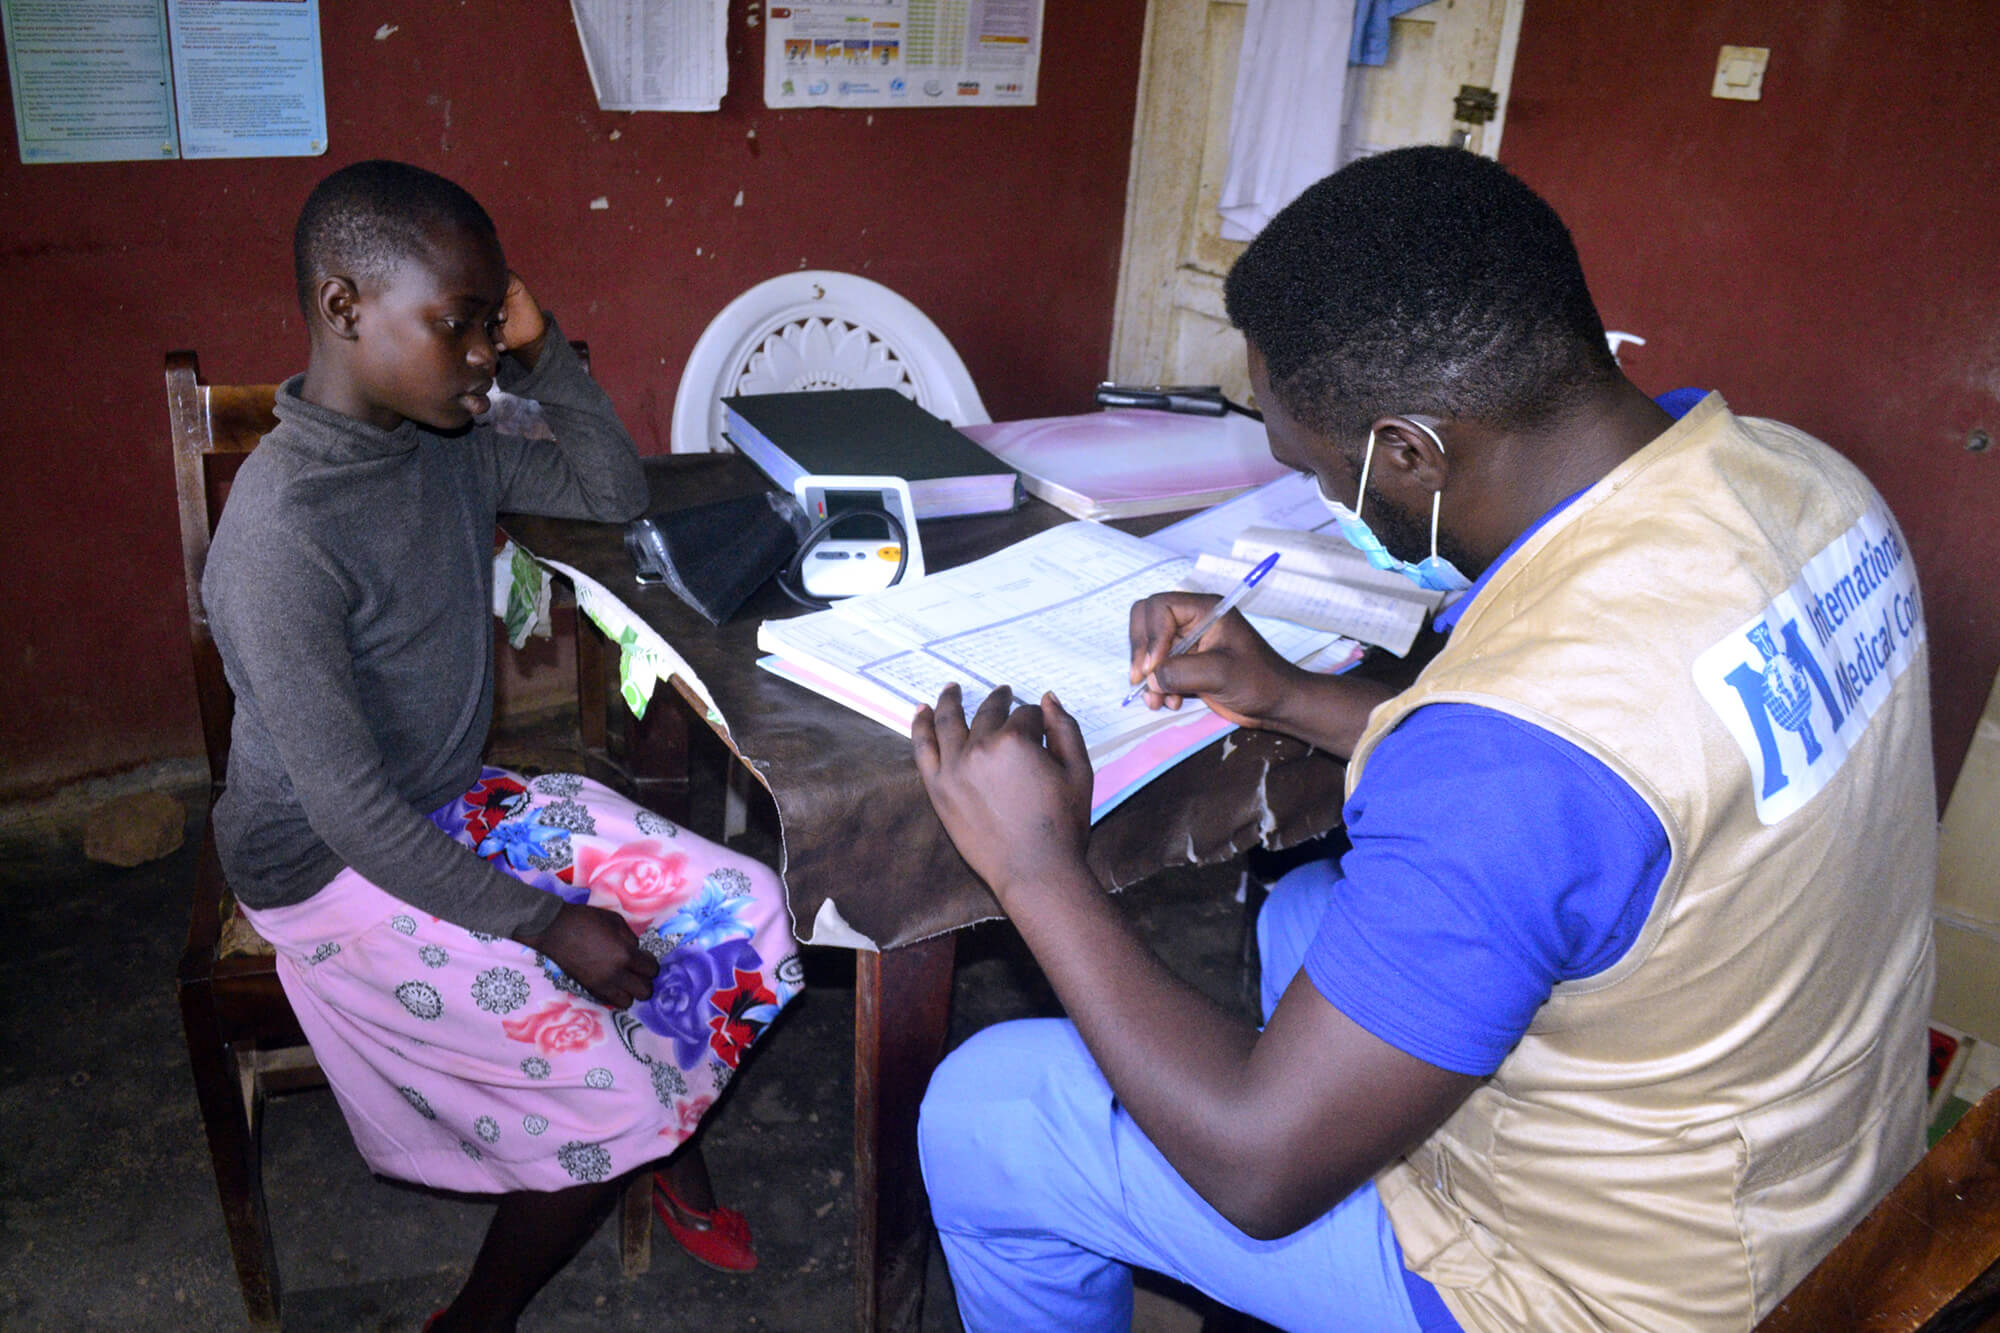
x: 1048, y: 614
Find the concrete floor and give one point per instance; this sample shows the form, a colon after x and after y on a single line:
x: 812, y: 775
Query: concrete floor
x: 108, y: 1207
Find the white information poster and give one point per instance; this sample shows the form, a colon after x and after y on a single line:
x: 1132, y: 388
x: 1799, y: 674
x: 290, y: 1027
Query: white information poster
x: 913, y: 53
x: 655, y: 55
x: 247, y: 77
x: 90, y: 79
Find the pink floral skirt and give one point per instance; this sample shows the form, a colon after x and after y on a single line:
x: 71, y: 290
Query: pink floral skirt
x: 467, y: 1062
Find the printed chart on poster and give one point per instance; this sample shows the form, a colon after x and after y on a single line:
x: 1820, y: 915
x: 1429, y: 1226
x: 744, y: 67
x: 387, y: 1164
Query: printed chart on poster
x: 902, y: 53
x: 655, y: 55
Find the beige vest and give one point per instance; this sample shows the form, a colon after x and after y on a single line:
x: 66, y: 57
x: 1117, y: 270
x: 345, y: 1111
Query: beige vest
x: 1729, y: 621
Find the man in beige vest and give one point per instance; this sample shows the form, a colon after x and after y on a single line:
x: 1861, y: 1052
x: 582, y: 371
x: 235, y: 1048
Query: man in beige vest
x: 1612, y: 1017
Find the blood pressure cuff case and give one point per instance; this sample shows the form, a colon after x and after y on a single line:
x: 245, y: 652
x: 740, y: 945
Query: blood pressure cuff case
x: 715, y: 555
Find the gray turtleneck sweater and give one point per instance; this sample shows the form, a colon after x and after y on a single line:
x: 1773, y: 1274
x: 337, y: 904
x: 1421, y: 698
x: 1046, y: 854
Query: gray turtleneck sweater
x: 349, y: 587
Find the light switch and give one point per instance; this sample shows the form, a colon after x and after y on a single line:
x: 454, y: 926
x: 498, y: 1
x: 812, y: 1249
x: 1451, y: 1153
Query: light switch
x: 1739, y: 72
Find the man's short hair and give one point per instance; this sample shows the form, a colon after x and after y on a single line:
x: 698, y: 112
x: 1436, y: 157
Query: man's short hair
x: 1420, y: 280
x: 364, y: 219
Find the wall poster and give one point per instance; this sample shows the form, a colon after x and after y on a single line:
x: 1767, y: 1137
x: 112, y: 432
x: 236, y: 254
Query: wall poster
x: 903, y: 53
x: 247, y: 77
x: 655, y: 55
x: 121, y: 80
x: 90, y: 79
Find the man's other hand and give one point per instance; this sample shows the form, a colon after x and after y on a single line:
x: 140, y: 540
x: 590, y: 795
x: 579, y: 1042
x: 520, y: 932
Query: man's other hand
x: 1013, y: 789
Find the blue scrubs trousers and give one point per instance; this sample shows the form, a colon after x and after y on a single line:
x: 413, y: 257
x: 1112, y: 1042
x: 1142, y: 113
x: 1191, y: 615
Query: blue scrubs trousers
x: 1046, y: 1195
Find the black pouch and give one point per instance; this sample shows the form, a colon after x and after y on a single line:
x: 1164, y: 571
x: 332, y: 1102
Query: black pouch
x: 715, y: 555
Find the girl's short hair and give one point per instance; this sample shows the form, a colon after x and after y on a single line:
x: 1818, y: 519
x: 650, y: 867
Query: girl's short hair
x: 364, y: 219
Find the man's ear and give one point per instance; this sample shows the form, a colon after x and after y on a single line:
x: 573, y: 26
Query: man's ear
x: 1407, y: 455
x: 337, y: 303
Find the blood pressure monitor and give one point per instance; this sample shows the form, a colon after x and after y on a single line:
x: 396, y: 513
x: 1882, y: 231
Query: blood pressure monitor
x: 864, y: 535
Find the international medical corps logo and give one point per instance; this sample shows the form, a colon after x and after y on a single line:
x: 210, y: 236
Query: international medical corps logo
x: 1787, y: 696
x: 1798, y: 684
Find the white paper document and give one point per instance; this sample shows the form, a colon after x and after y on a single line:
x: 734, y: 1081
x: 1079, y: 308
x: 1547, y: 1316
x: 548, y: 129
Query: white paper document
x: 1323, y: 582
x: 90, y: 80
x: 1048, y: 614
x: 1292, y: 501
x: 1366, y: 615
x: 907, y: 53
x: 248, y: 80
x: 655, y: 55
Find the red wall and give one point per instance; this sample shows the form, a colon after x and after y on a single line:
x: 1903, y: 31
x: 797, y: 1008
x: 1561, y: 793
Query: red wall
x: 1002, y: 224
x: 1828, y: 256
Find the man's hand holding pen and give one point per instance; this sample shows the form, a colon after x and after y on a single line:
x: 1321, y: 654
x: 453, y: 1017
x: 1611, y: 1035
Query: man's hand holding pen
x: 1232, y: 670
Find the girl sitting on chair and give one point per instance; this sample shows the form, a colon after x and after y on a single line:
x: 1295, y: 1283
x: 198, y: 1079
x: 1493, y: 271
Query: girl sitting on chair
x: 528, y: 987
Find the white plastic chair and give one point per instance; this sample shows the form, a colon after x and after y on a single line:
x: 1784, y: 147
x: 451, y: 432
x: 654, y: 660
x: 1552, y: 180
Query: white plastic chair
x: 818, y: 330
x: 814, y: 329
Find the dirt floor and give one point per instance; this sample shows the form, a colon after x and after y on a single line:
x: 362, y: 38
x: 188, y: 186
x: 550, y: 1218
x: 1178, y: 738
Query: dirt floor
x: 107, y: 1201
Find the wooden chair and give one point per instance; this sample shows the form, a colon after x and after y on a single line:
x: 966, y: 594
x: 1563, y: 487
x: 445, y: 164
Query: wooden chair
x: 243, y: 1040
x: 1927, y: 1258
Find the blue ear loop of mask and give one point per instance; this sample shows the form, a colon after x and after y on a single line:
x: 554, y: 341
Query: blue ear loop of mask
x: 1434, y: 571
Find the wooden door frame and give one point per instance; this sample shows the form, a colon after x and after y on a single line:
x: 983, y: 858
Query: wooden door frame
x: 1157, y: 199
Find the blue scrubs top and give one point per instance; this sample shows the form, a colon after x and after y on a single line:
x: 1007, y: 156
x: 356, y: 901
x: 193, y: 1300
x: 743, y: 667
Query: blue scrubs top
x: 1491, y: 859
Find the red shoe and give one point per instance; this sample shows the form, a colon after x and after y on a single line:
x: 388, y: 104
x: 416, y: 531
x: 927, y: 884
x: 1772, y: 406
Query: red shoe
x: 720, y: 1239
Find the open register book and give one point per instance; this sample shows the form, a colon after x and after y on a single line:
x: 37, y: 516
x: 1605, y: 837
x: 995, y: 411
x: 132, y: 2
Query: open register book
x: 1049, y: 613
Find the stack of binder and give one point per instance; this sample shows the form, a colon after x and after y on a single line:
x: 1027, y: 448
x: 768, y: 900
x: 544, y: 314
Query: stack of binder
x: 870, y: 433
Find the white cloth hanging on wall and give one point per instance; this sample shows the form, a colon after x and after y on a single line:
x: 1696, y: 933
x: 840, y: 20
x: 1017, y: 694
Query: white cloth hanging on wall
x: 1285, y: 119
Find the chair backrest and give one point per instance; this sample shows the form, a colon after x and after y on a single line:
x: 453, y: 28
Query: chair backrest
x: 816, y: 329
x: 214, y: 428
x: 1927, y: 1257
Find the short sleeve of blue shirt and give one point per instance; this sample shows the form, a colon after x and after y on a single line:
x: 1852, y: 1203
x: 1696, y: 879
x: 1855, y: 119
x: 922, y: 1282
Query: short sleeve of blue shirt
x: 1491, y: 860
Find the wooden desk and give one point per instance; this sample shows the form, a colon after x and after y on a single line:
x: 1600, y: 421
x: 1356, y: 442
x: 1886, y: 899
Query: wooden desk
x: 860, y: 833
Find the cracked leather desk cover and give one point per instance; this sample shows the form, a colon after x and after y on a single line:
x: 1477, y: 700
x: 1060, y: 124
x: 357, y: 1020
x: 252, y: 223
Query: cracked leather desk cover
x: 857, y: 826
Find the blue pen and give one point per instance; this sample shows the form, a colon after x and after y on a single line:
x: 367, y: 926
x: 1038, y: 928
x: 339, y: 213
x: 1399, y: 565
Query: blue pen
x: 1207, y: 622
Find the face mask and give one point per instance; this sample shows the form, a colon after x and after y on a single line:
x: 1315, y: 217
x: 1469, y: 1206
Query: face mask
x: 1434, y: 571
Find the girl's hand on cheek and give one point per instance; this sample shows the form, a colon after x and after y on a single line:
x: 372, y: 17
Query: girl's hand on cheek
x: 523, y: 330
